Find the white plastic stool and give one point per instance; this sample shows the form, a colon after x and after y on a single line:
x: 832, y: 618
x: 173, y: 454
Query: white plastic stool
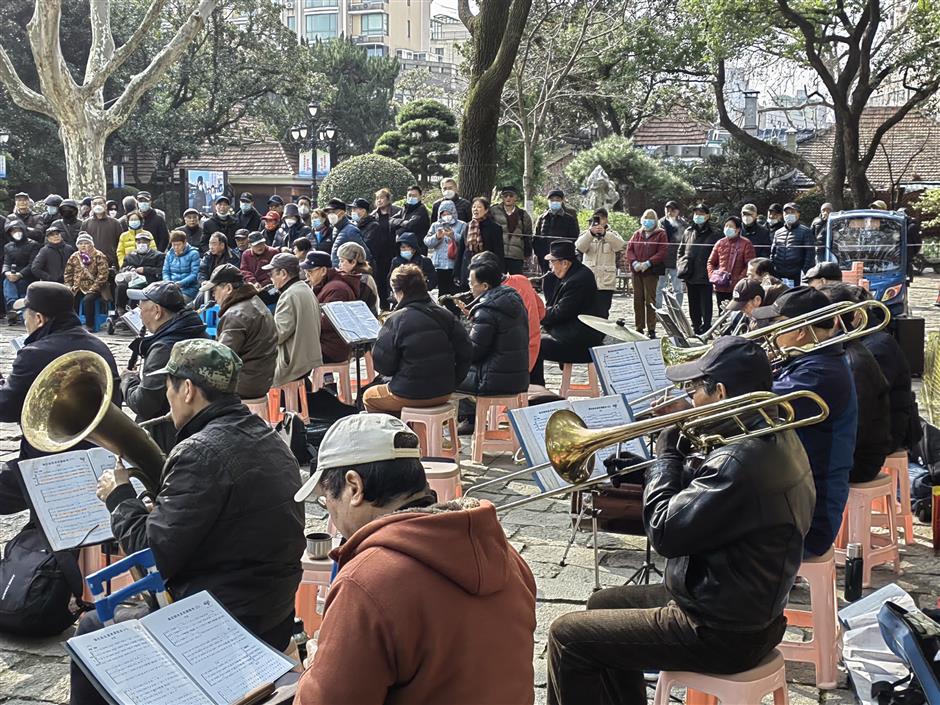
x: 340, y: 372
x: 488, y: 437
x: 857, y: 525
x: 443, y: 477
x: 432, y: 420
x: 824, y: 649
x: 746, y: 688
x: 591, y: 389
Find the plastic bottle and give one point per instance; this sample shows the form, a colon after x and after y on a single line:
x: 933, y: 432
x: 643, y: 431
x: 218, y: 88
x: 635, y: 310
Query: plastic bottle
x: 853, y: 572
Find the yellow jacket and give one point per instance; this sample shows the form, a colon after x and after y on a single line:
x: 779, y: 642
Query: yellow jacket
x: 128, y: 243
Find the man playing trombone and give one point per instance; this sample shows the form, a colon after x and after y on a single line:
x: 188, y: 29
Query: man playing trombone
x: 731, y: 527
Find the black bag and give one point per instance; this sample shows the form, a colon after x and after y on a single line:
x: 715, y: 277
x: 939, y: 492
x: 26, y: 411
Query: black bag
x: 36, y: 586
x: 292, y: 432
x: 683, y: 268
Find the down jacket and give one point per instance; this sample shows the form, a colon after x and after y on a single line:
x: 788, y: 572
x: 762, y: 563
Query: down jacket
x: 247, y: 327
x: 730, y: 254
x: 423, y: 348
x: 183, y: 269
x: 499, y: 332
x: 572, y: 296
x: 337, y: 286
x: 792, y: 251
x: 50, y: 262
x: 873, y: 438
x: 696, y: 248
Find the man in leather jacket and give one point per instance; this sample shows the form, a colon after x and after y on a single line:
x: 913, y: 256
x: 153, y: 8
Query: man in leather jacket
x: 731, y: 527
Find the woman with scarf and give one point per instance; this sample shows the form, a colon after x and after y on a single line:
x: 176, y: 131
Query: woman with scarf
x: 86, y: 274
x: 483, y: 235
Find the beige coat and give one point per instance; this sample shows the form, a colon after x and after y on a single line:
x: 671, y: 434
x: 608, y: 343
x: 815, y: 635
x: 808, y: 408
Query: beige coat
x: 600, y: 256
x: 297, y: 319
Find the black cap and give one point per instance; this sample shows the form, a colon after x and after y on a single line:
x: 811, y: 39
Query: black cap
x: 57, y: 226
x: 291, y: 210
x: 86, y: 201
x: 733, y: 361
x: 316, y: 258
x: 276, y: 199
x: 673, y: 204
x: 144, y: 196
x: 163, y: 293
x: 361, y: 203
x: 47, y: 298
x: 775, y: 208
x: 335, y: 204
x: 53, y: 199
x: 556, y: 193
x: 824, y: 270
x: 744, y: 291
x: 241, y: 233
x: 190, y: 211
x: 246, y: 197
x: 562, y: 249
x: 703, y: 208
x: 791, y: 206
x: 256, y: 237
x: 223, y: 274
x: 510, y: 189
x: 219, y: 199
x: 796, y: 302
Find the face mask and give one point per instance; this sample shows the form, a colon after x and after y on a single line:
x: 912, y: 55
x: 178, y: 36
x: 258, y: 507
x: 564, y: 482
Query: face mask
x: 449, y: 194
x: 447, y: 219
x: 354, y: 217
x: 407, y: 254
x: 17, y: 235
x: 52, y: 210
x: 304, y: 210
x: 748, y: 219
x: 144, y: 206
x: 555, y: 206
x: 333, y: 218
x: 699, y: 219
x: 134, y: 224
x: 790, y: 218
x: 412, y: 201
x: 316, y: 223
x: 773, y: 221
x: 245, y: 207
x: 113, y: 214
x: 98, y: 210
x: 142, y: 247
x: 290, y: 222
x: 731, y: 232
x: 649, y: 224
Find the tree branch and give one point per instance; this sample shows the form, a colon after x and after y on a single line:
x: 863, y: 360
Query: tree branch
x: 102, y: 39
x: 55, y: 81
x: 899, y: 115
x: 22, y: 95
x: 466, y: 16
x: 498, y: 71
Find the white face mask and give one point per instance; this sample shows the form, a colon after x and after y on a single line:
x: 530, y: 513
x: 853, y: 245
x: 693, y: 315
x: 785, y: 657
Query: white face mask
x: 447, y: 218
x: 290, y: 222
x: 333, y: 218
x: 790, y: 218
x: 449, y: 194
x: 748, y: 219
x: 98, y: 210
x: 142, y: 247
x: 304, y: 210
x: 144, y: 206
x: 17, y: 235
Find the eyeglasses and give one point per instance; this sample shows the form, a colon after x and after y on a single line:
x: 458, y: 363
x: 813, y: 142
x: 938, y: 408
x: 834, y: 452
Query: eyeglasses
x: 692, y: 386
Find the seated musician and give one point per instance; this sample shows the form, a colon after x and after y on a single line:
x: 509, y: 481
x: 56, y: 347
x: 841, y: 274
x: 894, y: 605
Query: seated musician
x: 573, y: 292
x: 224, y: 519
x: 731, y: 527
x: 822, y: 274
x: 747, y: 296
x: 760, y: 270
x: 830, y: 445
x: 431, y: 604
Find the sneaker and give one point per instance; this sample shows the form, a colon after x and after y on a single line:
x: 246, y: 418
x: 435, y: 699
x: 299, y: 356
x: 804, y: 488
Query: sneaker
x: 465, y: 428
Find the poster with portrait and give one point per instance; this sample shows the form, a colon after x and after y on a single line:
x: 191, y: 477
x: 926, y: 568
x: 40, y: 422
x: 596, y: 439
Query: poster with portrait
x: 305, y: 164
x: 202, y: 188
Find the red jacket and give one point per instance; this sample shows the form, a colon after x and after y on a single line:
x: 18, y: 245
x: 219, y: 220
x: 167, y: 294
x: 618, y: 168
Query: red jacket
x: 430, y: 606
x: 732, y: 255
x: 251, y: 265
x: 535, y: 309
x: 336, y: 287
x: 650, y: 249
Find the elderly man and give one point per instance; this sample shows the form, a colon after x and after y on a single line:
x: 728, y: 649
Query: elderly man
x: 194, y: 232
x: 330, y: 285
x: 224, y: 519
x: 53, y: 329
x: 154, y: 222
x: 517, y: 229
x: 222, y: 221
x: 754, y: 231
x: 574, y: 292
x: 449, y: 193
x: 453, y: 556
x: 105, y: 231
x: 559, y: 221
x: 248, y: 217
x: 258, y: 254
x: 167, y: 320
x: 344, y: 230
x: 297, y: 319
x: 822, y: 274
x: 247, y: 327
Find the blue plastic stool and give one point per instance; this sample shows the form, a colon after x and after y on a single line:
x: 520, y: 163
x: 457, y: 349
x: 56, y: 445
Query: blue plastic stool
x: 101, y: 313
x: 151, y: 582
x: 210, y: 316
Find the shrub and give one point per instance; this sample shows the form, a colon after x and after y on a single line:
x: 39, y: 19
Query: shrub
x: 362, y: 176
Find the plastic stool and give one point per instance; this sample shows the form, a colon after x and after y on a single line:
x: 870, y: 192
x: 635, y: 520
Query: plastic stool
x: 745, y: 688
x: 591, y: 389
x: 101, y: 313
x: 896, y: 466
x: 314, y: 585
x: 857, y: 526
x: 488, y: 437
x: 295, y: 399
x: 151, y: 581
x: 91, y: 559
x: 258, y: 406
x: 210, y: 317
x: 369, y: 371
x: 433, y: 420
x: 340, y: 372
x: 443, y: 477
x: 824, y: 649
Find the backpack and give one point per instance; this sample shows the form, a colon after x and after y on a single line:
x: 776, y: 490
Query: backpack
x: 37, y: 585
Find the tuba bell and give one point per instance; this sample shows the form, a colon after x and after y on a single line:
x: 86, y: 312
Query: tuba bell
x: 70, y: 402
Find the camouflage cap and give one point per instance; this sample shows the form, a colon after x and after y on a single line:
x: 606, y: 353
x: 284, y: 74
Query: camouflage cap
x: 206, y: 362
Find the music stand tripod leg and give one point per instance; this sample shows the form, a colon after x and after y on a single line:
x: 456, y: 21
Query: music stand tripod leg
x: 358, y: 350
x: 575, y: 527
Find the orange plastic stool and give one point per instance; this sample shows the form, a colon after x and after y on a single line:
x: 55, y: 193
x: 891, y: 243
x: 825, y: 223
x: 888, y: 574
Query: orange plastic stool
x: 368, y: 375
x: 340, y: 372
x: 92, y: 559
x: 746, y: 688
x: 443, y: 477
x: 857, y: 524
x: 896, y: 466
x: 488, y: 437
x: 591, y: 389
x: 314, y: 586
x: 824, y: 649
x: 258, y: 406
x: 295, y: 399
x: 431, y: 421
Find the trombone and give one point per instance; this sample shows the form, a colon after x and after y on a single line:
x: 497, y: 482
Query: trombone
x: 768, y: 336
x: 571, y: 445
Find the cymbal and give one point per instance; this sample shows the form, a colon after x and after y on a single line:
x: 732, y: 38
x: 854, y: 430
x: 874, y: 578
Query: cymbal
x: 615, y: 329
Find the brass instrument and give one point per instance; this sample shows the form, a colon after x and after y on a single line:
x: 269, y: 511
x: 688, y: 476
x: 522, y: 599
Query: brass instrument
x: 70, y: 401
x: 768, y: 335
x: 464, y: 296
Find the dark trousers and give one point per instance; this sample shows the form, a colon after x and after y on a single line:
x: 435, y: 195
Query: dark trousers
x: 89, y: 307
x: 700, y: 306
x: 605, y: 300
x: 556, y: 351
x: 382, y: 271
x: 513, y: 266
x: 598, y: 656
x: 721, y: 297
x: 445, y: 282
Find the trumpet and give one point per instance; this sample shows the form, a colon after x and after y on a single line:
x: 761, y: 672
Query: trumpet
x: 769, y: 335
x: 571, y: 445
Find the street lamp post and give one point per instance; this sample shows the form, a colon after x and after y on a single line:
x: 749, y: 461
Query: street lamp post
x: 309, y: 136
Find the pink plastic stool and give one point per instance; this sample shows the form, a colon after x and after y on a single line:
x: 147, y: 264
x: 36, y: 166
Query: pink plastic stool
x: 340, y: 372
x: 91, y: 559
x: 314, y: 585
x: 443, y: 477
x: 488, y: 437
x: 367, y: 375
x: 295, y: 399
x: 258, y: 406
x: 896, y: 466
x: 591, y: 389
x: 432, y: 420
x: 877, y: 549
x: 824, y: 649
x: 746, y: 688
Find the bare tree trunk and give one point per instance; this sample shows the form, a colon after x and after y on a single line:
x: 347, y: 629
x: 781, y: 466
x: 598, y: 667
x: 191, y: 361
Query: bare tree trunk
x: 528, y: 171
x: 84, y: 143
x: 477, y: 148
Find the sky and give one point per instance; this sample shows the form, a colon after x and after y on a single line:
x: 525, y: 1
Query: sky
x: 444, y: 7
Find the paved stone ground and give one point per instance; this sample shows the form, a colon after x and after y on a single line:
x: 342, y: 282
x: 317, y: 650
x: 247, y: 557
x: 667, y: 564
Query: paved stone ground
x: 36, y: 671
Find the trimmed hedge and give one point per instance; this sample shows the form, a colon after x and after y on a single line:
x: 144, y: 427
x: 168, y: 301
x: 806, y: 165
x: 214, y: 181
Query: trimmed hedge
x: 362, y: 176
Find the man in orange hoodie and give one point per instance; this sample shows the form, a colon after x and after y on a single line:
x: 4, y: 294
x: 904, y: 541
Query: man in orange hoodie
x: 431, y: 604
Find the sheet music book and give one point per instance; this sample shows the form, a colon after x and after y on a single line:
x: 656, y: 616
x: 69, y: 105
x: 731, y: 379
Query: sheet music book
x: 61, y: 488
x: 631, y: 369
x: 133, y: 320
x: 529, y: 426
x: 191, y: 652
x: 353, y: 320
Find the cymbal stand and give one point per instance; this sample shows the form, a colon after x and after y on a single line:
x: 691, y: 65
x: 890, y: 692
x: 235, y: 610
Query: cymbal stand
x: 644, y: 571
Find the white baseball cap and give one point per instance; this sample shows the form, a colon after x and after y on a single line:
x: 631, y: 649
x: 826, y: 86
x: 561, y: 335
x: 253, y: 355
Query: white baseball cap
x: 357, y: 440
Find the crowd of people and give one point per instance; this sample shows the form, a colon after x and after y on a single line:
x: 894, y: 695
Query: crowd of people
x: 228, y: 516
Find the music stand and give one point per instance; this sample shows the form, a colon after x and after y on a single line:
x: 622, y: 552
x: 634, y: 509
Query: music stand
x: 358, y: 328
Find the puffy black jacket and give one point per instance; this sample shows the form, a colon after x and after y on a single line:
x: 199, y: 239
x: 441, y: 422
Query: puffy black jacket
x: 68, y: 211
x: 151, y: 261
x: 572, y: 296
x: 155, y: 224
x: 759, y: 237
x: 423, y: 348
x: 893, y: 363
x: 696, y: 247
x: 732, y: 528
x: 18, y: 257
x: 49, y: 263
x: 411, y: 219
x: 217, y: 224
x: 873, y: 439
x: 197, y: 238
x: 381, y: 248
x: 792, y: 251
x: 250, y: 221
x: 209, y: 262
x: 225, y: 519
x: 562, y: 225
x: 146, y: 394
x: 499, y: 331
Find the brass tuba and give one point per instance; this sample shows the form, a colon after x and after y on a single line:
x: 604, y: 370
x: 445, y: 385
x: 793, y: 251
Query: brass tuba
x: 70, y: 401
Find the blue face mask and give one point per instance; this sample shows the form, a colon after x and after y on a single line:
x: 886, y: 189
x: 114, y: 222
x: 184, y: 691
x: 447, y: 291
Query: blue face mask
x: 407, y: 254
x: 790, y: 218
x: 354, y: 217
x: 52, y: 210
x: 700, y: 219
x: 316, y: 223
x: 412, y: 201
x: 245, y: 206
x: 555, y: 206
x: 731, y: 232
x: 134, y: 224
x: 144, y: 206
x: 649, y: 224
